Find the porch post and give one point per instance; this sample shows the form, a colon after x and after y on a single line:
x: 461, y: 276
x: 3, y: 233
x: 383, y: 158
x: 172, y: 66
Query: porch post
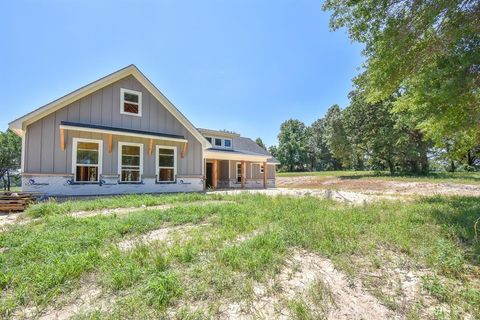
x: 265, y: 174
x: 215, y: 174
x: 243, y: 173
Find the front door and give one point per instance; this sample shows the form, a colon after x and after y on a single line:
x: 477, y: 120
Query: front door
x: 209, y: 175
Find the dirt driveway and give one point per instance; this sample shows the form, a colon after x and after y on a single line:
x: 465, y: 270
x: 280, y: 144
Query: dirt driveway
x: 379, y: 187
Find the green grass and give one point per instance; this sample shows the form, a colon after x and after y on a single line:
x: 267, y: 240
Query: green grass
x: 49, y: 257
x: 454, y: 177
x: 52, y: 207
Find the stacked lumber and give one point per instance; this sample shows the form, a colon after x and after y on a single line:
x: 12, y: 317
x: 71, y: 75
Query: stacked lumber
x: 16, y: 201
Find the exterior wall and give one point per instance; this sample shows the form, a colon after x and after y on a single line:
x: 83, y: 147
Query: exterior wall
x: 59, y: 185
x: 42, y: 141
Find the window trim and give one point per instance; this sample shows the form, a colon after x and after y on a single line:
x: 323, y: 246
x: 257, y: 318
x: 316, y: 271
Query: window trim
x: 120, y: 145
x: 75, y: 142
x: 157, y: 164
x: 122, y: 101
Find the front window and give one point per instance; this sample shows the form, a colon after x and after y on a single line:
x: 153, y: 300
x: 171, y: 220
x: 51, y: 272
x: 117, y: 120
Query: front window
x: 87, y: 160
x: 218, y: 142
x: 131, y: 102
x: 228, y: 143
x: 239, y: 172
x: 166, y: 164
x: 209, y: 139
x: 131, y: 161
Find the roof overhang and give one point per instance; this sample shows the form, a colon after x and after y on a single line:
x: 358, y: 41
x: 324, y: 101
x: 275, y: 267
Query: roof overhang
x: 236, y: 156
x: 120, y: 131
x: 19, y: 125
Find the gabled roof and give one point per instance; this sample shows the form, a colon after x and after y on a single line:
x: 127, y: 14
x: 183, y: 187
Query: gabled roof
x: 18, y: 126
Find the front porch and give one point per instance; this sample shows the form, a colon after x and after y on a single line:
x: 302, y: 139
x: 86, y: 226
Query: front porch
x: 234, y: 174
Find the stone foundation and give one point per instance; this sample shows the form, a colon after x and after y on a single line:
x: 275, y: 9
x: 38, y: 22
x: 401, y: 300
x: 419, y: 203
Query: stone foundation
x: 64, y: 186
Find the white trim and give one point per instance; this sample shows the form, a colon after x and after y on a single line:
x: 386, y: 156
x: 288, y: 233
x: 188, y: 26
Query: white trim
x: 122, y: 102
x: 121, y: 133
x: 157, y: 165
x: 225, y: 155
x: 120, y: 145
x: 251, y: 170
x: 75, y: 141
x: 19, y: 125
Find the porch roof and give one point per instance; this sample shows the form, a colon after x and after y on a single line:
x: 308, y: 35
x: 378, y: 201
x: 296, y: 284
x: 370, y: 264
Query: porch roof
x: 225, y: 154
x: 68, y: 125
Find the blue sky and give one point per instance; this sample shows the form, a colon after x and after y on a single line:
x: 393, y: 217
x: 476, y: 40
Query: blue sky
x: 242, y: 65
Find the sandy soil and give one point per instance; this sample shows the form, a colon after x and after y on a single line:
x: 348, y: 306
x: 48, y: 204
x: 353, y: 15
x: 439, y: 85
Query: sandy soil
x: 354, y: 198
x: 340, y: 298
x: 379, y: 187
x: 162, y: 234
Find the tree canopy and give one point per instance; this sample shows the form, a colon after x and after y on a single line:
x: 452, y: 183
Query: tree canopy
x: 427, y: 54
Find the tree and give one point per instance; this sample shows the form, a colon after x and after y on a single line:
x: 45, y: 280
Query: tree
x: 371, y: 130
x: 273, y: 150
x: 336, y: 137
x: 292, y: 141
x: 10, y: 154
x: 320, y: 157
x: 429, y: 51
x: 260, y: 143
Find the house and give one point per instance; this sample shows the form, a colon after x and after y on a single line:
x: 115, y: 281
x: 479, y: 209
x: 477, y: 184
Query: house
x: 120, y: 134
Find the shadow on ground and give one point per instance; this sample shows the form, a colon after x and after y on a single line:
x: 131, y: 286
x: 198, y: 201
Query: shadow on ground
x: 458, y: 216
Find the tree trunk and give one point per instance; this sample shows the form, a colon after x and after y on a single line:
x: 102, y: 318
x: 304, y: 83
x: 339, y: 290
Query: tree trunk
x: 469, y: 158
x: 452, y: 166
x: 391, y: 167
x: 8, y: 180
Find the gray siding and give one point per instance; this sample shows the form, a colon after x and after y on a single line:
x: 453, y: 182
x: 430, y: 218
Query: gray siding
x: 42, y: 144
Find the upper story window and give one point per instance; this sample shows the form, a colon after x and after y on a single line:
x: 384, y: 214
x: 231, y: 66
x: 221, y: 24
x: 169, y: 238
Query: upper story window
x: 130, y: 102
x: 220, y: 142
x: 130, y: 159
x: 87, y: 160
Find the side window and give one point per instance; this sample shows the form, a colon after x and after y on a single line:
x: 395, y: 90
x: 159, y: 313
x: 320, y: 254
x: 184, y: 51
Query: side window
x: 130, y: 102
x: 239, y: 172
x: 87, y: 160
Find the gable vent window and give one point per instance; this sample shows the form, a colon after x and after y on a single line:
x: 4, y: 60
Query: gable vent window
x: 131, y: 102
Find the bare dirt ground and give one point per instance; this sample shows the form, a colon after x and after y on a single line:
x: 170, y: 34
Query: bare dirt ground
x: 326, y: 292
x: 379, y: 187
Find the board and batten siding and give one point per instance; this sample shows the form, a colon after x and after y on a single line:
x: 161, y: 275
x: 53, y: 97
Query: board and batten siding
x: 42, y: 141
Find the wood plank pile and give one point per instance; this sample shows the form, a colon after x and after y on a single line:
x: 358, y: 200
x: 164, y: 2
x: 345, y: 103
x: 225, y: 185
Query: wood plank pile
x: 16, y: 201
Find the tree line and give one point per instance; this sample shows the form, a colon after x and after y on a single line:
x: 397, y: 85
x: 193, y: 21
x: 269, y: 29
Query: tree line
x: 416, y: 100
